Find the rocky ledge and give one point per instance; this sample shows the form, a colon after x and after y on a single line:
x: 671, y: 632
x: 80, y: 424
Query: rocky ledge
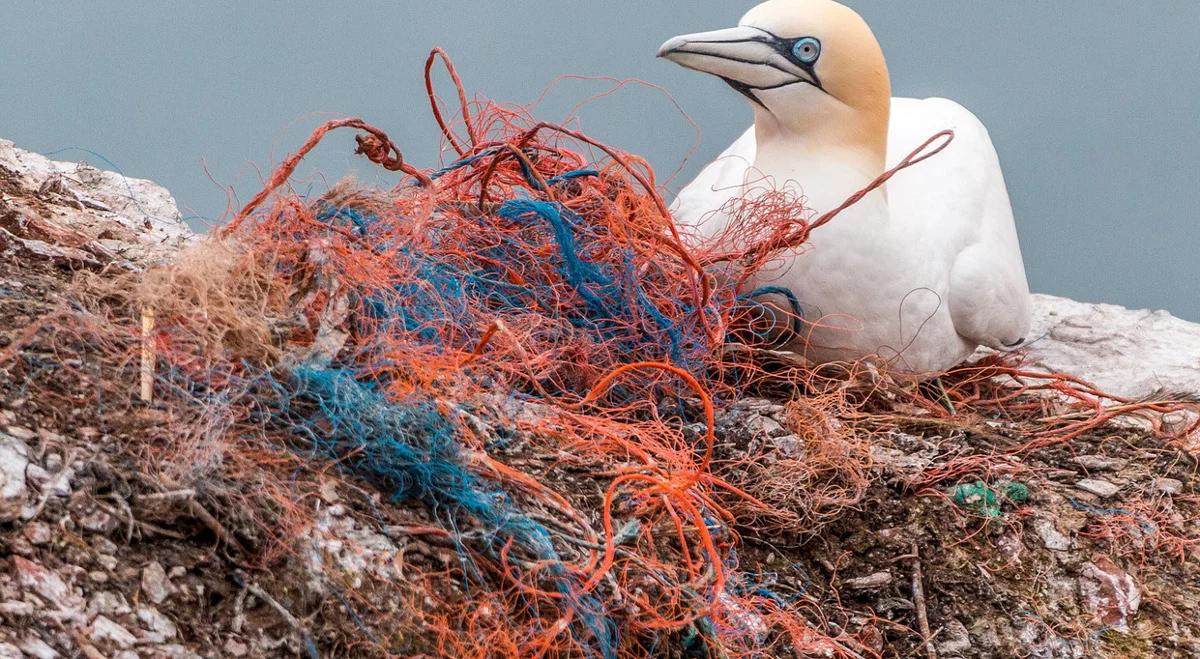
x: 95, y: 568
x: 1123, y: 352
x: 73, y: 213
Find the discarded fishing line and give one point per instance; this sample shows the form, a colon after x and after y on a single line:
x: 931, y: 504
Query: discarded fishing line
x: 521, y: 355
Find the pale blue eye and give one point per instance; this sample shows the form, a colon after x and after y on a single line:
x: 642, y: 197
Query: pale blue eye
x: 806, y: 50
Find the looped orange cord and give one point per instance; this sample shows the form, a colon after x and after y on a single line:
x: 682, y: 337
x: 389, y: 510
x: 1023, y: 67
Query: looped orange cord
x: 641, y: 512
x: 380, y: 147
x: 463, y: 106
x: 789, y: 237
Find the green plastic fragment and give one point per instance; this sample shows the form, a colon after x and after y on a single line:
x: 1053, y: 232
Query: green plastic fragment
x: 1017, y: 493
x: 986, y: 501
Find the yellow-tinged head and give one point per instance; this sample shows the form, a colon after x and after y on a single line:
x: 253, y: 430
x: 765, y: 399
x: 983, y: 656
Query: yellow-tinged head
x: 812, y: 68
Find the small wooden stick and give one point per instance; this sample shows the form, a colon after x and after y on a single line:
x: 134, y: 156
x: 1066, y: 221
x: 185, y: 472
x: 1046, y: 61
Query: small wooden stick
x: 306, y: 638
x: 205, y: 517
x: 148, y: 354
x: 174, y: 494
x: 918, y: 588
x: 87, y: 649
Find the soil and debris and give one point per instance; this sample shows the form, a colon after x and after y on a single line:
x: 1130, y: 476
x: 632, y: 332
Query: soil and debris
x: 937, y: 548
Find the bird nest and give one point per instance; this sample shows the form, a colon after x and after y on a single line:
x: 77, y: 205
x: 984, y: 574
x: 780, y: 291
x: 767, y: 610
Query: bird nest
x: 517, y: 360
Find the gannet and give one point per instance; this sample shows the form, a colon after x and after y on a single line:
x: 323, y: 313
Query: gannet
x: 919, y: 273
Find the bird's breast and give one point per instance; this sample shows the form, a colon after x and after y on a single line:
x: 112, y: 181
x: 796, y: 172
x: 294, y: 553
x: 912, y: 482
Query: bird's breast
x: 868, y: 283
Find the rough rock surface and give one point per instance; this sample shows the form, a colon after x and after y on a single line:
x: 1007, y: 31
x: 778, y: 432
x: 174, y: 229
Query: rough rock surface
x: 73, y: 213
x: 1125, y: 352
x: 1111, y: 594
x: 97, y: 562
x: 14, y: 461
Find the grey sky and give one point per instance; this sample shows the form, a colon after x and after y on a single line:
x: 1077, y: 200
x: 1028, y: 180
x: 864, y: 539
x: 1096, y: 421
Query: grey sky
x: 1093, y: 104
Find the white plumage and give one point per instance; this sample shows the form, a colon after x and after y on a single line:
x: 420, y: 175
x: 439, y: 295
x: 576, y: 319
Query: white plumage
x: 917, y: 274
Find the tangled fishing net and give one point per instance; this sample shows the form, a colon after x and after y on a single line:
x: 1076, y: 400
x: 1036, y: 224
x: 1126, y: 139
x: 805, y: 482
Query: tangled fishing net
x: 522, y: 347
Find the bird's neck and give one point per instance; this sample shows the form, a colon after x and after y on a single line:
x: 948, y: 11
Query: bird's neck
x: 830, y: 144
x: 826, y: 166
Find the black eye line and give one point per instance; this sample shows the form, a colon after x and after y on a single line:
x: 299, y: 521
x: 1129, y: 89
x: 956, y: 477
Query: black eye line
x: 785, y: 48
x: 755, y: 62
x: 745, y: 90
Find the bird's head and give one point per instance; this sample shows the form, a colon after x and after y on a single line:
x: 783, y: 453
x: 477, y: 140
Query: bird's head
x: 808, y: 66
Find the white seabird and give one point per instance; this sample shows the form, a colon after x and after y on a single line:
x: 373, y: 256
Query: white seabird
x: 919, y: 273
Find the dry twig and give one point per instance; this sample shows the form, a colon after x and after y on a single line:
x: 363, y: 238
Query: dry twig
x: 918, y: 587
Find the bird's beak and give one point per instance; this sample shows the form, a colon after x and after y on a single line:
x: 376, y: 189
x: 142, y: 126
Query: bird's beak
x: 746, y: 57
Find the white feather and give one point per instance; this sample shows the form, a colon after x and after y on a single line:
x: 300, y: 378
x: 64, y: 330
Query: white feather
x: 919, y: 276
